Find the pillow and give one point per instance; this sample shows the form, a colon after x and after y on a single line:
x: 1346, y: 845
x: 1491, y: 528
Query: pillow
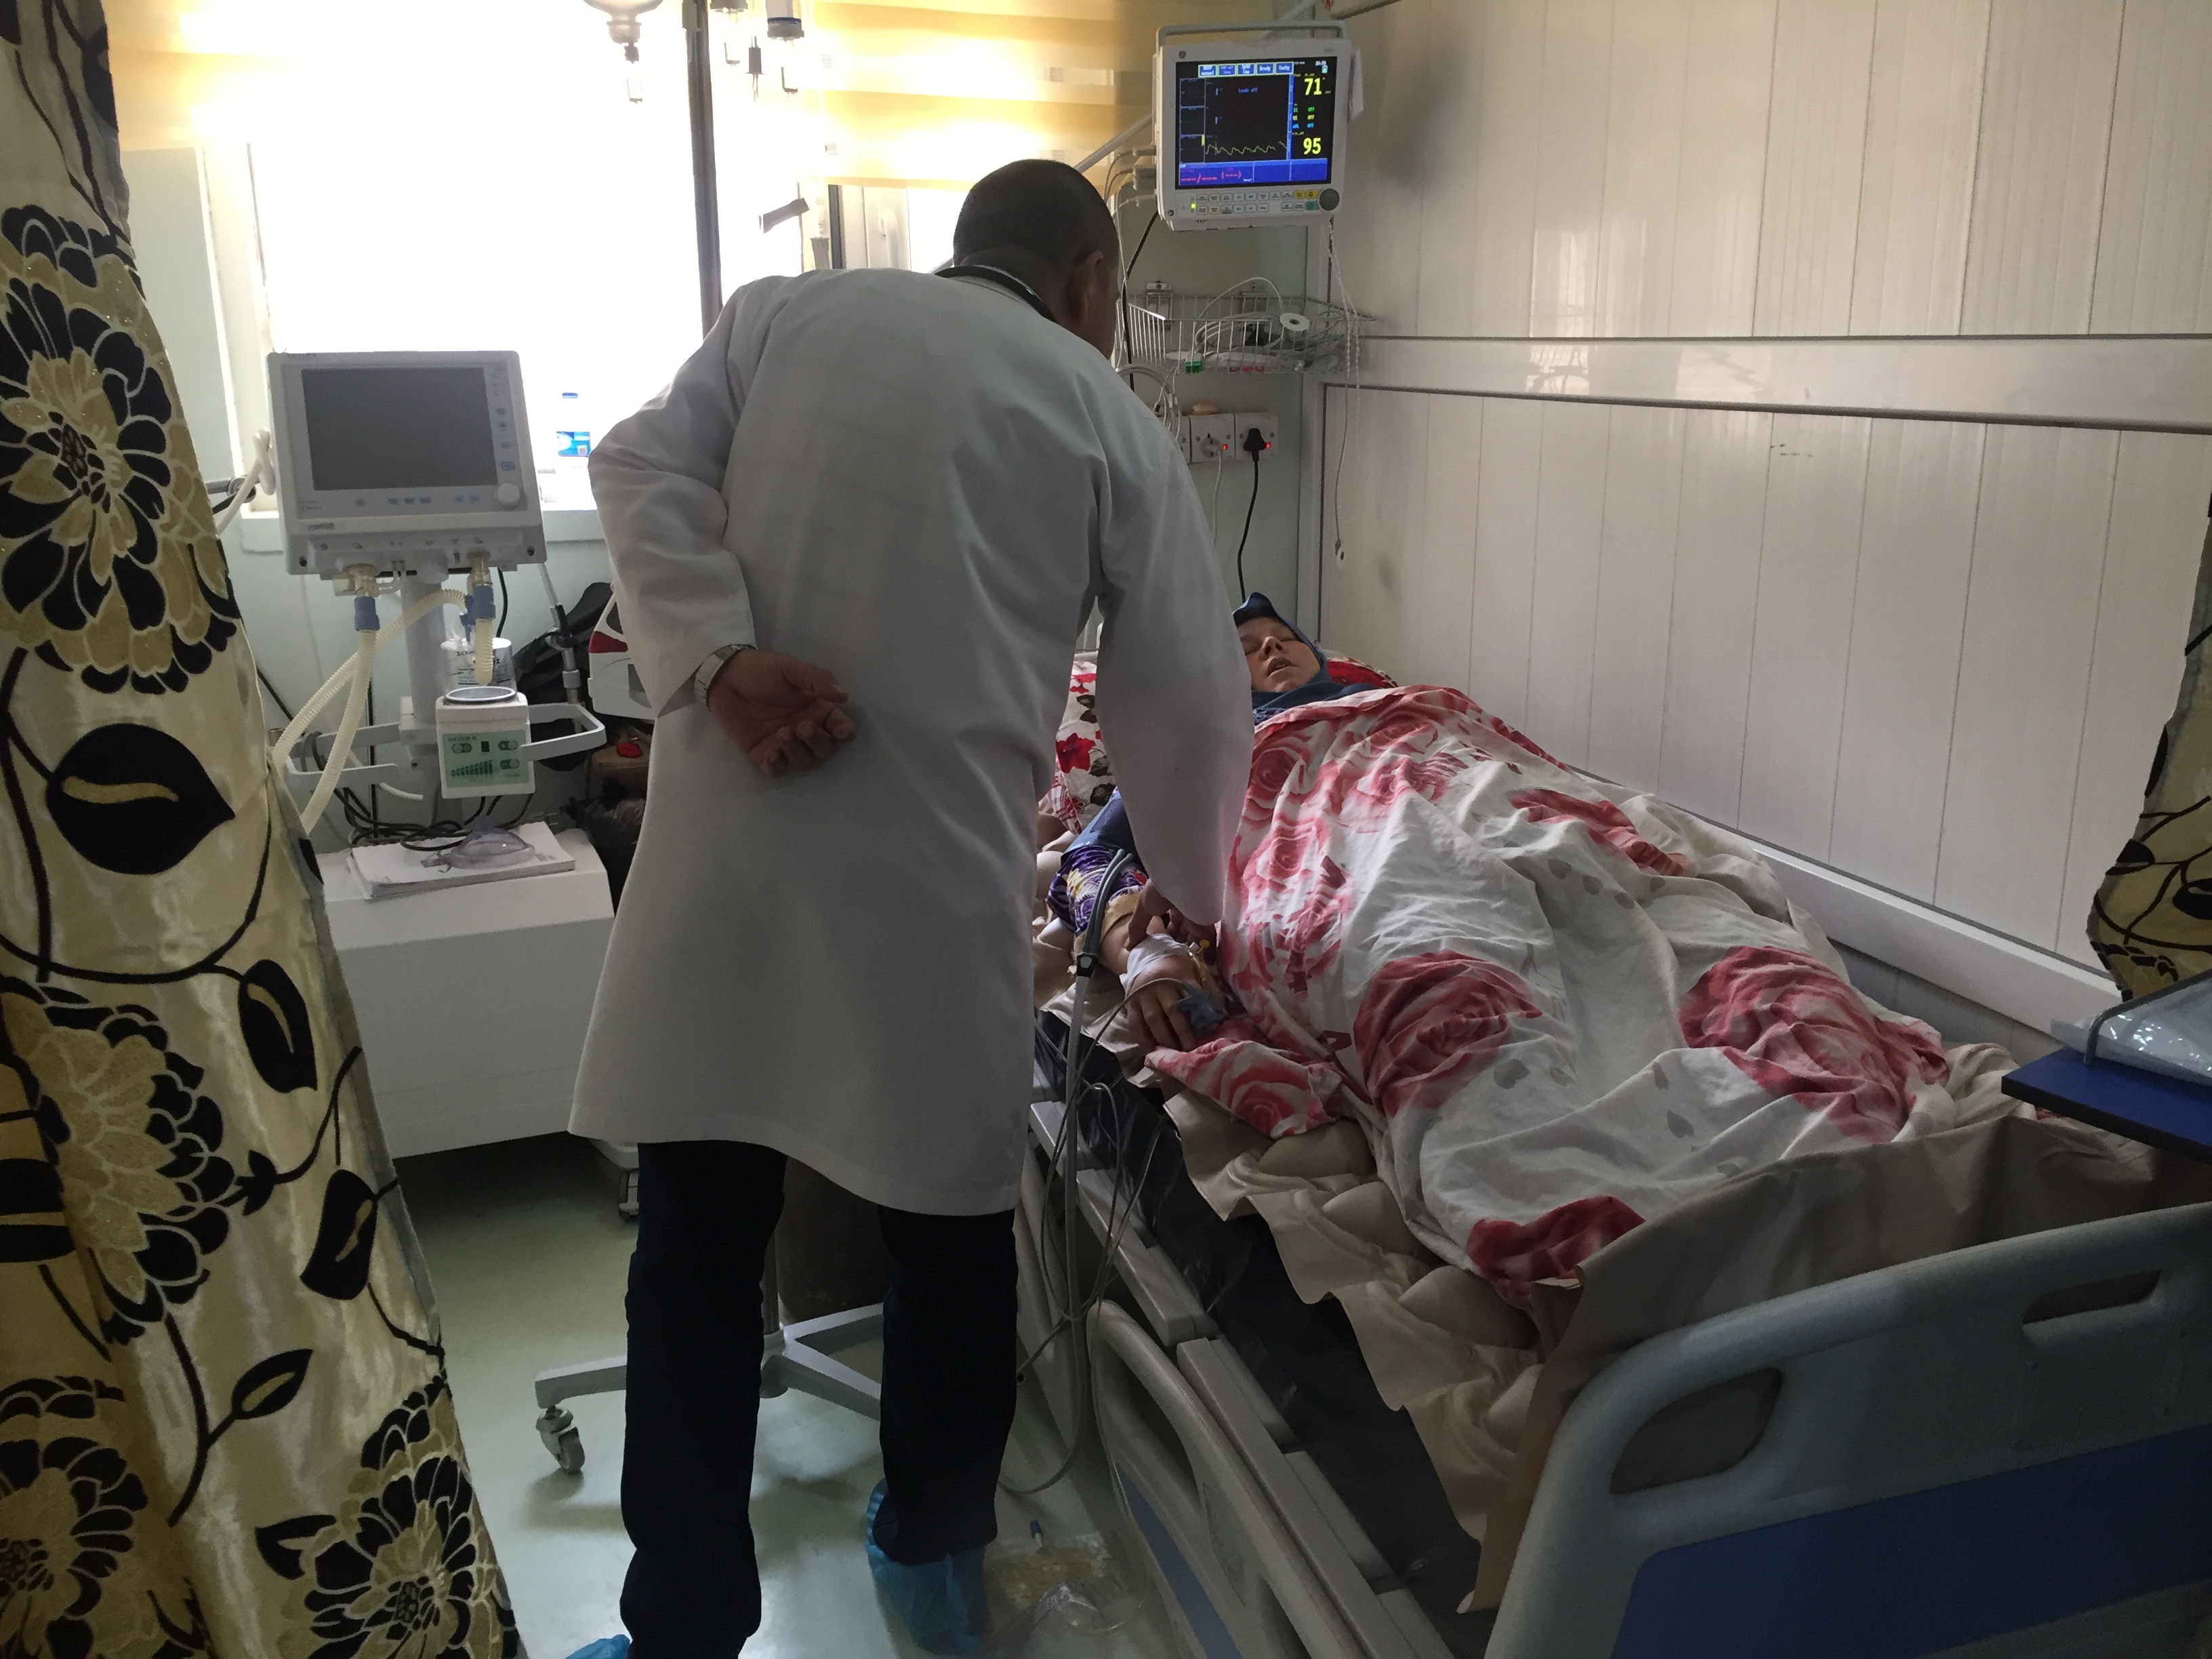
x: 1082, y: 772
x: 1083, y: 777
x: 1350, y: 671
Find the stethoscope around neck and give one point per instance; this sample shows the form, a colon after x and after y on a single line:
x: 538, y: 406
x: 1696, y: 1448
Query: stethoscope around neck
x: 1008, y: 281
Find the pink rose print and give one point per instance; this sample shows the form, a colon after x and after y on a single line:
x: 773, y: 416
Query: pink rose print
x: 1514, y: 1254
x: 1428, y: 1023
x: 1606, y: 824
x: 1789, y: 1024
x: 1274, y: 1093
x: 1362, y: 793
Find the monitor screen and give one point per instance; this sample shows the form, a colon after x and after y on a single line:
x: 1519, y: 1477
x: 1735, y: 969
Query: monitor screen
x: 1270, y: 123
x: 388, y: 428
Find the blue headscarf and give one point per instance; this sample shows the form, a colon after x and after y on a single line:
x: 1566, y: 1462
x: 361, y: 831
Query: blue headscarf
x: 1111, y: 827
x: 1320, y: 688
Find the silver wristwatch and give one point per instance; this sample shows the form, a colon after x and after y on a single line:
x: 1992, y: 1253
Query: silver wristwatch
x: 712, y: 666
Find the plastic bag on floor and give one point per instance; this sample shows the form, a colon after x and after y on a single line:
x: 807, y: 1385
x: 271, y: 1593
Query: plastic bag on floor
x: 1066, y: 1621
x: 1049, y: 1600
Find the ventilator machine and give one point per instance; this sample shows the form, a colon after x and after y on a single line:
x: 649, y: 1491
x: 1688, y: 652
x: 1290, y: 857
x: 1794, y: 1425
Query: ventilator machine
x: 394, y: 472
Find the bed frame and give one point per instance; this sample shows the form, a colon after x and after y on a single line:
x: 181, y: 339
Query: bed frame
x: 2003, y: 1453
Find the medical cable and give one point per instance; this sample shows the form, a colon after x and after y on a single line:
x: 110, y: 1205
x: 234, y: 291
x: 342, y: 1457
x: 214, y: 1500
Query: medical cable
x: 1065, y: 1148
x: 1253, y: 444
x: 1128, y: 339
x: 1338, y: 285
x: 260, y: 474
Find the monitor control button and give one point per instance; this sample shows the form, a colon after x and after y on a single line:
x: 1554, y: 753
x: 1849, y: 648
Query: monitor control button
x: 1329, y: 199
x: 510, y: 495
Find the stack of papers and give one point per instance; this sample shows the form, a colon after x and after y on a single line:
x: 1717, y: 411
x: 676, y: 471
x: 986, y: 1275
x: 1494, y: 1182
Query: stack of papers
x: 394, y: 869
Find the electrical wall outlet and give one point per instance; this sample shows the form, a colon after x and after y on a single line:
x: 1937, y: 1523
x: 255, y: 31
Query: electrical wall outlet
x: 1207, y: 438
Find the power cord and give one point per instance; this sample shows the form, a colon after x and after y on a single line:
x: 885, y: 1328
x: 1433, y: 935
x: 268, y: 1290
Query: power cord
x: 1254, y: 444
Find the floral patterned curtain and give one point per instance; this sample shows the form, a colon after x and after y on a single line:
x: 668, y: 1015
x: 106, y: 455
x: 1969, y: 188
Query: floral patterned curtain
x: 2151, y: 919
x: 225, y: 1426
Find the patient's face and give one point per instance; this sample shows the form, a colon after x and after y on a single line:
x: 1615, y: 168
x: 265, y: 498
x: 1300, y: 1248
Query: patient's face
x: 1275, y: 657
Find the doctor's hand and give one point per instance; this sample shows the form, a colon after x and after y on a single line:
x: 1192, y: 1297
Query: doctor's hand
x: 783, y: 712
x: 1153, y: 905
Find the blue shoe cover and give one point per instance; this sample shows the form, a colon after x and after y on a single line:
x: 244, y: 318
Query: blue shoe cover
x: 942, y: 1601
x: 607, y: 1647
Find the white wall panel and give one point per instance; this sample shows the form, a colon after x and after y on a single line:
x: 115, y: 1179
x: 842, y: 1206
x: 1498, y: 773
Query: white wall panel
x: 1635, y: 593
x: 1392, y: 532
x: 1505, y: 557
x: 1509, y: 81
x: 1348, y: 576
x: 1916, y: 547
x: 1444, y: 619
x: 2155, y: 240
x: 1562, y: 611
x: 1379, y: 240
x: 1451, y: 209
x: 1643, y: 167
x: 1912, y: 646
x: 1723, y: 166
x: 2151, y: 554
x: 1922, y: 109
x: 1716, y: 538
x: 1370, y: 586
x: 2039, y: 166
x: 1801, y: 635
x: 2024, y: 676
x: 1571, y: 166
x: 1815, y: 146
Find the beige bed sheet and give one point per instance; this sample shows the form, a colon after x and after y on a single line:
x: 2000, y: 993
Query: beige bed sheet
x: 1487, y: 1386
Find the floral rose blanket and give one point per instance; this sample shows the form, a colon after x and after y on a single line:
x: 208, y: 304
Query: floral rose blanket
x: 1556, y: 1009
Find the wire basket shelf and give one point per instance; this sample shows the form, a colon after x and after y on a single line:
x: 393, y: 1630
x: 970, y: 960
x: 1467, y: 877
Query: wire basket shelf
x: 1251, y: 329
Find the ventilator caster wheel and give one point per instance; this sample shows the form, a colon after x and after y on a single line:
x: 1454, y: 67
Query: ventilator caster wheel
x: 558, y: 1429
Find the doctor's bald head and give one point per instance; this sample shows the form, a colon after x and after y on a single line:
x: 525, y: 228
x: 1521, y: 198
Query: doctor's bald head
x: 1043, y: 222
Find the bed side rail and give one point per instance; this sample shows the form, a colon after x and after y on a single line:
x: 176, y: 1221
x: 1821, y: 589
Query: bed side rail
x: 2004, y: 1436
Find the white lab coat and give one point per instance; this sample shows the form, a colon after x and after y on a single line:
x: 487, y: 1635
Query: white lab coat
x: 920, y: 484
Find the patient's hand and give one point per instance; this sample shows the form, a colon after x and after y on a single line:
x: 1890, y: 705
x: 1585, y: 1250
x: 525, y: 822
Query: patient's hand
x: 1155, y: 1003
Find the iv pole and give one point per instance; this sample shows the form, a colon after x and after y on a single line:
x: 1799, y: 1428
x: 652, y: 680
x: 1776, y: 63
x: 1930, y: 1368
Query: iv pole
x: 705, y: 207
x: 699, y: 88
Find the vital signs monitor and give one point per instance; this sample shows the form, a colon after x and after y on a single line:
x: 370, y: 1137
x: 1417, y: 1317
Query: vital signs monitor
x: 410, y: 461
x: 1251, y: 134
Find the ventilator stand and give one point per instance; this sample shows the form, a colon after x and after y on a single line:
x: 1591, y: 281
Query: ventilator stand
x: 795, y: 1358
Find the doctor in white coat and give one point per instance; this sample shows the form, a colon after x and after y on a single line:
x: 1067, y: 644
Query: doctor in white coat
x: 854, y: 542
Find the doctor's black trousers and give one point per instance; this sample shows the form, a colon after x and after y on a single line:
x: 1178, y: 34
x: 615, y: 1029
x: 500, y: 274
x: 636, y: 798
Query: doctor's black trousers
x: 706, y: 1212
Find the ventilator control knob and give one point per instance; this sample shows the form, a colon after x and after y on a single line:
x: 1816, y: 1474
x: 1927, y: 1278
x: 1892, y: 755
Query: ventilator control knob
x: 510, y: 495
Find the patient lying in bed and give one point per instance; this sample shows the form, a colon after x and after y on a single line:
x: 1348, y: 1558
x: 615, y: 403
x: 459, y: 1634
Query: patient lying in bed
x: 1554, y: 1008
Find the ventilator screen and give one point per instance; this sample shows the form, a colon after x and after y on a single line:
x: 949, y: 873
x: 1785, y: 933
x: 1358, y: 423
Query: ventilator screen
x: 397, y: 428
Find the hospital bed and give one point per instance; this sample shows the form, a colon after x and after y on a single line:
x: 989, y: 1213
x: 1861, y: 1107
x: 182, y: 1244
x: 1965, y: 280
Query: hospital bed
x: 2000, y: 1453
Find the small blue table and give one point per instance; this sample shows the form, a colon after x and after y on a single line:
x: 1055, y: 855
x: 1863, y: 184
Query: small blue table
x: 2159, y: 1111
